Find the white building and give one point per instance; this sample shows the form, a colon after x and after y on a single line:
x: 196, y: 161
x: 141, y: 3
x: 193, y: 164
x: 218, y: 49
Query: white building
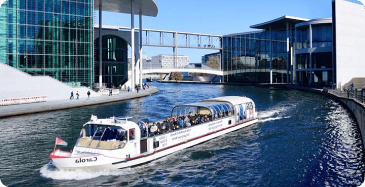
x: 167, y: 61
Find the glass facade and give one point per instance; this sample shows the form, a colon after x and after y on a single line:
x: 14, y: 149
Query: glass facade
x: 314, y: 64
x: 49, y: 38
x: 115, y: 61
x: 248, y: 56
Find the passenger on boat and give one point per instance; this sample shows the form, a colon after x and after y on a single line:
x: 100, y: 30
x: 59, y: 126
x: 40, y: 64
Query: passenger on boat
x: 187, y: 121
x: 131, y: 134
x: 143, y: 130
x: 181, y: 122
x: 201, y: 120
x: 206, y: 118
x: 163, y: 128
x: 153, y: 130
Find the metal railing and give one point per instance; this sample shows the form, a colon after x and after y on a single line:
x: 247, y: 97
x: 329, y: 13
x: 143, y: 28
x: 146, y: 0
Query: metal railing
x: 356, y: 94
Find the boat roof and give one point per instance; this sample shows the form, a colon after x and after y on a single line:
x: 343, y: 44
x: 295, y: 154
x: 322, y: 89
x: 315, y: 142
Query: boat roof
x: 216, y: 105
x: 113, y: 121
x: 234, y: 100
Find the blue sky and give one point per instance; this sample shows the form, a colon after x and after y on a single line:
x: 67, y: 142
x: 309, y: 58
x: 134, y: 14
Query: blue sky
x: 217, y: 17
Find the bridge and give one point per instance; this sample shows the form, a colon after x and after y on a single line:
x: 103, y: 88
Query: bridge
x: 190, y: 70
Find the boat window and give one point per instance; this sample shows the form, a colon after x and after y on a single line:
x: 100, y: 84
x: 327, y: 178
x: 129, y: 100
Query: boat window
x: 103, y: 132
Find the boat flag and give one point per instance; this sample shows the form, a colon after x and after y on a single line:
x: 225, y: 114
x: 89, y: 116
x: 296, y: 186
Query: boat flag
x: 59, y: 141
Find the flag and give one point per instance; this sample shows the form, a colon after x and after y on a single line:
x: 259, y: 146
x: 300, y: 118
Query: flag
x: 59, y: 141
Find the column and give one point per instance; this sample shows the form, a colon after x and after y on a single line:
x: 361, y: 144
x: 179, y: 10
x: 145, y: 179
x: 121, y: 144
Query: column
x: 100, y: 46
x: 132, y: 46
x: 140, y: 48
x: 291, y: 55
x: 287, y: 52
x: 310, y: 54
x: 271, y: 47
x: 295, y: 62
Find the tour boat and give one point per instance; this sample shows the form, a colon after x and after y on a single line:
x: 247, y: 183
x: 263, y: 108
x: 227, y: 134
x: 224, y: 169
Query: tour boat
x: 116, y: 142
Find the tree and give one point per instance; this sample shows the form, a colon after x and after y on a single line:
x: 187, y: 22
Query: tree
x: 214, y: 62
x: 177, y: 76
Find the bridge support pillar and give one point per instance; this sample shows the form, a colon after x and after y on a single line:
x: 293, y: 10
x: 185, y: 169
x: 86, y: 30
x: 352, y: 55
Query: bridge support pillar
x: 132, y: 47
x: 140, y: 49
x: 100, y: 46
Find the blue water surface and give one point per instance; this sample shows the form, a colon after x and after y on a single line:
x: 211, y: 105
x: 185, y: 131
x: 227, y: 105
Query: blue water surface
x: 302, y: 139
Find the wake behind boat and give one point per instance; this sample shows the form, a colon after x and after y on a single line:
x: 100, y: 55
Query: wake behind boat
x: 117, y: 143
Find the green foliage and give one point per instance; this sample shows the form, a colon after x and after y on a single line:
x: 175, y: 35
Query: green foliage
x: 177, y: 76
x: 214, y: 62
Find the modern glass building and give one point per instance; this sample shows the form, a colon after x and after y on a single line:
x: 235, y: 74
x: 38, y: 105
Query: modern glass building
x: 313, y: 53
x: 287, y: 50
x: 261, y: 56
x: 49, y: 38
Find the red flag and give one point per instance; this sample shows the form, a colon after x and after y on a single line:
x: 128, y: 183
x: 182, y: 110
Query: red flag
x: 59, y: 141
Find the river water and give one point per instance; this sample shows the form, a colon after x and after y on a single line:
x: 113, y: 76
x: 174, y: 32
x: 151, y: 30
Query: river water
x: 302, y: 139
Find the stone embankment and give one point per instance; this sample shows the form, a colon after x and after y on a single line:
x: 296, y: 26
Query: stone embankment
x: 24, y: 109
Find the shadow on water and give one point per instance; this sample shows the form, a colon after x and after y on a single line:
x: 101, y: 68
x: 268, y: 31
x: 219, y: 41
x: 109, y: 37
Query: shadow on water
x: 301, y: 139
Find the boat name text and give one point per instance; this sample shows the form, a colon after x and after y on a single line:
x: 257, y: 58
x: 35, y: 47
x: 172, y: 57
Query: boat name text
x: 83, y: 160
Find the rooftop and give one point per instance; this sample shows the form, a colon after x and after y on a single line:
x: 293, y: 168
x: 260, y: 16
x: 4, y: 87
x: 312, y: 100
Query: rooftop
x: 147, y: 7
x: 279, y: 23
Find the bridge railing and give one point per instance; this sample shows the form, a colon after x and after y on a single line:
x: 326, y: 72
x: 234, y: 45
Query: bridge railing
x: 147, y: 67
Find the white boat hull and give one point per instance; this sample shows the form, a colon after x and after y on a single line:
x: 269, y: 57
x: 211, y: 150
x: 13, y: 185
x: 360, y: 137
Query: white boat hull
x: 169, y: 143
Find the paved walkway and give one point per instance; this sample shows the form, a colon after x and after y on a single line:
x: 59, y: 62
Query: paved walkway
x: 23, y: 109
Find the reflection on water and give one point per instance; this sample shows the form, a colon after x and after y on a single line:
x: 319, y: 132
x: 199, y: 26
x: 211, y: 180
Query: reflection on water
x: 302, y: 139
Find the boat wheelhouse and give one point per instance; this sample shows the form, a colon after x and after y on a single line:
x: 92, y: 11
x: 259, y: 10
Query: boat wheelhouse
x: 116, y: 142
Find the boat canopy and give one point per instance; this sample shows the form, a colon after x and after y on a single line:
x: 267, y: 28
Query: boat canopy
x: 202, y: 108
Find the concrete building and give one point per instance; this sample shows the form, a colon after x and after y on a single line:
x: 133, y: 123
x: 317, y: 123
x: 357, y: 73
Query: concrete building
x: 300, y: 51
x: 167, y: 61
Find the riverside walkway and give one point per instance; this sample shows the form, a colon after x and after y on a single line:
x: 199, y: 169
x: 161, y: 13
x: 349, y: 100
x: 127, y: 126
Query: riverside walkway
x: 24, y: 109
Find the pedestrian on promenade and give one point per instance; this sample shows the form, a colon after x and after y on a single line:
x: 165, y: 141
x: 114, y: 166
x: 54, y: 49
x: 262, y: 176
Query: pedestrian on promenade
x: 72, y: 95
x: 129, y: 88
x: 148, y: 85
x: 77, y: 95
x: 88, y: 95
x: 110, y: 92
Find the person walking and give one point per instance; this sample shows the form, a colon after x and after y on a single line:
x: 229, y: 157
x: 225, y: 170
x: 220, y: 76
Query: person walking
x: 110, y: 92
x: 88, y: 95
x: 77, y: 95
x: 72, y: 95
x: 129, y: 88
